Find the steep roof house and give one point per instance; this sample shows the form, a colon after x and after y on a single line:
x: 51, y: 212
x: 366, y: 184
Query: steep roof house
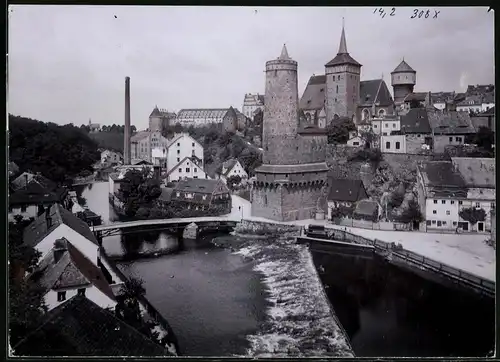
x: 65, y: 272
x: 80, y: 327
x: 232, y: 167
x: 32, y: 193
x: 57, y: 223
x: 445, y: 188
x: 344, y: 192
x: 202, y: 194
x: 449, y: 128
x: 188, y: 167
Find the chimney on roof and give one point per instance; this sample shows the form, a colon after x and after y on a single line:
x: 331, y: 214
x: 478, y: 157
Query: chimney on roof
x: 60, y: 247
x: 48, y: 218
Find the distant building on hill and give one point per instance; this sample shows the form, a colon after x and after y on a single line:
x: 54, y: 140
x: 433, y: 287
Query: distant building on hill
x: 251, y: 103
x: 160, y: 118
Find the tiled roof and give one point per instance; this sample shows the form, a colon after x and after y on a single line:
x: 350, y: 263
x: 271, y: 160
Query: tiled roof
x: 37, y: 230
x: 370, y: 90
x: 480, y: 89
x: 476, y: 172
x: 79, y: 327
x: 314, y: 94
x: 488, y: 98
x: 231, y: 113
x: 417, y: 96
x: 471, y: 100
x: 161, y: 113
x: 37, y: 193
x: 375, y: 90
x: 27, y: 178
x: 403, y: 67
x: 346, y: 190
x: 343, y: 58
x: 198, y: 185
x: 416, y: 121
x: 442, y: 97
x: 72, y: 270
x: 441, y: 179
x: 202, y: 113
x: 450, y: 122
x: 139, y: 136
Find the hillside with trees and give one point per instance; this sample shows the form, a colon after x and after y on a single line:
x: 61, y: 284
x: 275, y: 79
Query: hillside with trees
x: 110, y: 137
x: 57, y: 152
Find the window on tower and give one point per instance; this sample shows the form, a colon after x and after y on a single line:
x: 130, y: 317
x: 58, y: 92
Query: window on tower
x: 338, y: 77
x: 337, y: 89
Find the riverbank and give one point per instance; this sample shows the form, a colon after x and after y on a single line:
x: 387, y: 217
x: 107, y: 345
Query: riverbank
x: 299, y: 322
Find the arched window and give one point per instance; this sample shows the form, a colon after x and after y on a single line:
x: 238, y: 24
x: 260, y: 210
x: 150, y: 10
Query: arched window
x: 365, y: 114
x: 381, y: 113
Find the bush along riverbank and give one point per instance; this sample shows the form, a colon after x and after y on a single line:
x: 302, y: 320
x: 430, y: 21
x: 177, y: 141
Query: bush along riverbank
x: 300, y: 322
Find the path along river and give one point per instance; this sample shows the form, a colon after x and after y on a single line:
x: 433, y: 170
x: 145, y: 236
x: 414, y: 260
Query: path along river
x: 261, y: 299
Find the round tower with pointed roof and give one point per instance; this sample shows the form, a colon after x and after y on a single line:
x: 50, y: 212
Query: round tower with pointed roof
x: 342, y: 83
x: 403, y: 80
x: 281, y: 108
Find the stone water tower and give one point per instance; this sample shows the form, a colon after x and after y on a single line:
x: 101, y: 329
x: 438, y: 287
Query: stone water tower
x: 403, y: 80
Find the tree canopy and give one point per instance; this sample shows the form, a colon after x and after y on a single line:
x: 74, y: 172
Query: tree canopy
x: 57, y: 152
x: 137, y: 190
x: 338, y: 130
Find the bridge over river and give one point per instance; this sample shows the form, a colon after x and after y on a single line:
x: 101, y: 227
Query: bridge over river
x: 112, y: 229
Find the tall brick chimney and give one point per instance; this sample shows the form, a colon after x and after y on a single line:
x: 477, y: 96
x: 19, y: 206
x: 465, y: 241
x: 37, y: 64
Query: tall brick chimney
x: 126, y: 146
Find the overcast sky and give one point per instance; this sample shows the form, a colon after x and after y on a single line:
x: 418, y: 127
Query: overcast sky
x: 68, y: 63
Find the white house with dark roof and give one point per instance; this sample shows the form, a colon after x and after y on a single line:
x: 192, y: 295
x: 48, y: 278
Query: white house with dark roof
x: 232, y: 167
x: 57, y: 223
x: 187, y: 168
x: 180, y: 146
x: 472, y: 103
x: 445, y: 188
x: 65, y: 272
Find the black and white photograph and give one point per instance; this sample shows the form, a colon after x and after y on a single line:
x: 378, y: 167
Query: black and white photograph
x: 251, y: 182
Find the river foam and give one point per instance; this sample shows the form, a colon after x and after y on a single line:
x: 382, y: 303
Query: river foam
x: 299, y: 320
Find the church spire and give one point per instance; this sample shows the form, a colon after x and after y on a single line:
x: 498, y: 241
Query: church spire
x: 284, y: 53
x: 343, y: 43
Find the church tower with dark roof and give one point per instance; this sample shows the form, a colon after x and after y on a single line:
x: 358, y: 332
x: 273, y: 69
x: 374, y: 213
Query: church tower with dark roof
x: 342, y: 84
x: 403, y: 80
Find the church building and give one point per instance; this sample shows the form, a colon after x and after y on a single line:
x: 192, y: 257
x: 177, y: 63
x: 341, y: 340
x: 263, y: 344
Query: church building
x: 340, y: 93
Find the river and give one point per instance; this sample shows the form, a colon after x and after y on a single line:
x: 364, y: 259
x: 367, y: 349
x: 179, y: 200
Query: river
x: 260, y: 299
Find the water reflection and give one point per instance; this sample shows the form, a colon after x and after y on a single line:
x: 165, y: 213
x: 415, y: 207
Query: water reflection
x: 388, y: 311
